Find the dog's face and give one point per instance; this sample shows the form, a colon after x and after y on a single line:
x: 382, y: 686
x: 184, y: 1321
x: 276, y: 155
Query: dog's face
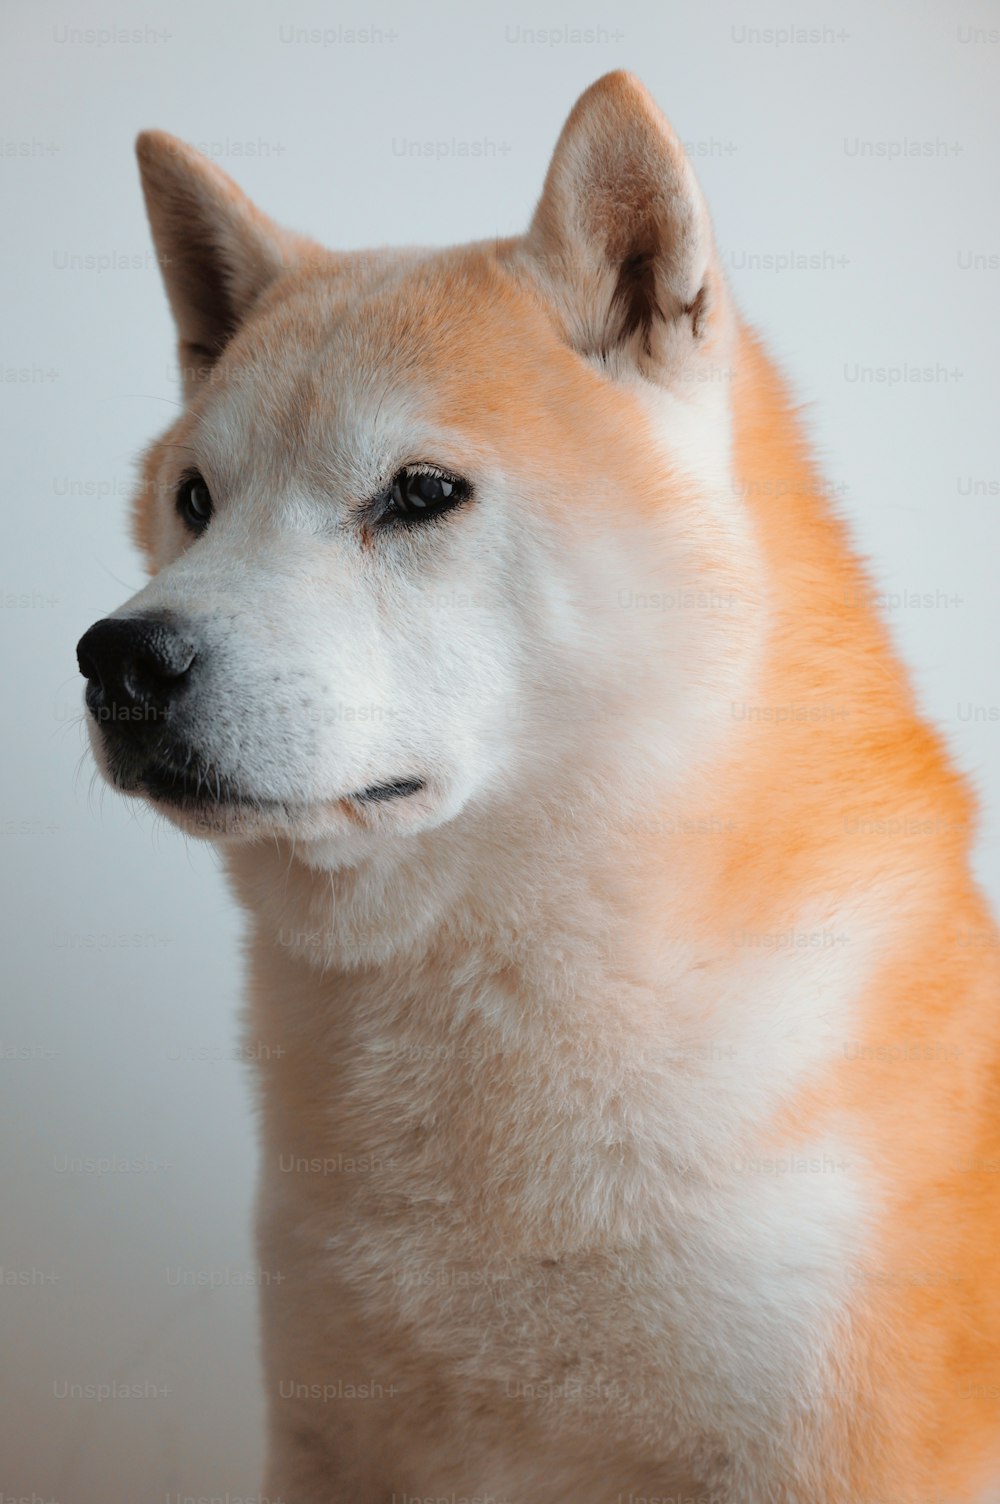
x: 391, y: 530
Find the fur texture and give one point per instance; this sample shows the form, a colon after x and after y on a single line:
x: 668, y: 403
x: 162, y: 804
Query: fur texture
x: 630, y: 1094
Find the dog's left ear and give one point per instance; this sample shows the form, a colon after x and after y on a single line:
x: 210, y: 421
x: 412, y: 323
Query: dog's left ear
x: 621, y: 235
x: 217, y: 252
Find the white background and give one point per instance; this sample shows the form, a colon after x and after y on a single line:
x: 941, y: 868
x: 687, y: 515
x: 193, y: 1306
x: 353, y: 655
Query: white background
x: 122, y: 945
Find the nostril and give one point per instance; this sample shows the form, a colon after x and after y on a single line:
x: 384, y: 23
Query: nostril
x: 88, y: 666
x: 155, y: 668
x: 161, y: 652
x: 152, y: 677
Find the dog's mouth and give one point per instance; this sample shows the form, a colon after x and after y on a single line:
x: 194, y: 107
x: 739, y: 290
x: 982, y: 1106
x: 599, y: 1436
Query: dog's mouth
x: 198, y: 785
x: 379, y: 793
x: 203, y: 786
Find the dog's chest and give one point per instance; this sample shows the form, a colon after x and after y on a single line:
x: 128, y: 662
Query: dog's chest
x: 562, y: 1214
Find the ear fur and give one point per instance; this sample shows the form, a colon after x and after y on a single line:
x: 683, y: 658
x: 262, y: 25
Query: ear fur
x: 217, y: 252
x: 621, y: 235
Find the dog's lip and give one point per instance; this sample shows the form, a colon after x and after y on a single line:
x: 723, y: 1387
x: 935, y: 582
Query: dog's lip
x: 207, y: 785
x: 399, y: 788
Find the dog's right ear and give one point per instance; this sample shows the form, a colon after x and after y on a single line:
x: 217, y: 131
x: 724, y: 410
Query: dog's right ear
x: 217, y: 252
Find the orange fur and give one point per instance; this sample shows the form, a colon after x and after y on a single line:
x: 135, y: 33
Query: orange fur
x: 849, y: 793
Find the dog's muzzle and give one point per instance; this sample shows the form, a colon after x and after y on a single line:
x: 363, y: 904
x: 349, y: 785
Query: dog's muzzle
x: 140, y: 671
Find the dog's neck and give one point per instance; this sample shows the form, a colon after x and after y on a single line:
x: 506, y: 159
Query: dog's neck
x: 587, y: 873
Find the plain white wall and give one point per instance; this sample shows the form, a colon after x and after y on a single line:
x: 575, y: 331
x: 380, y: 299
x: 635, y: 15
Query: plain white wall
x: 869, y: 147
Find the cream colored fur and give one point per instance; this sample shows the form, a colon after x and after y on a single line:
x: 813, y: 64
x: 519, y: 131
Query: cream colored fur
x: 516, y: 1163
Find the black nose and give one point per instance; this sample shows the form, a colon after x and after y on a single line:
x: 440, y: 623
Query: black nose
x: 135, y: 667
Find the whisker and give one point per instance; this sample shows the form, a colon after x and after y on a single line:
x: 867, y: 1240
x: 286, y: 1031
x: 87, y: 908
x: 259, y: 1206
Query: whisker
x: 124, y: 583
x: 147, y: 396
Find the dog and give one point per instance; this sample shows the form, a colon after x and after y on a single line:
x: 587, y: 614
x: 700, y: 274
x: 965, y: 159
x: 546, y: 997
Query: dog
x: 624, y: 1013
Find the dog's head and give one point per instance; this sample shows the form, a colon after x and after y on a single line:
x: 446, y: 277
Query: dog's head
x: 414, y: 537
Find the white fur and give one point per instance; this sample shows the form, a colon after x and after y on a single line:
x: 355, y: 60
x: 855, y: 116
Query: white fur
x: 517, y: 1111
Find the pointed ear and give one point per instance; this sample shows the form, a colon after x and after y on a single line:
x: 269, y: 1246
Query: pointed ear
x: 621, y: 235
x: 217, y: 252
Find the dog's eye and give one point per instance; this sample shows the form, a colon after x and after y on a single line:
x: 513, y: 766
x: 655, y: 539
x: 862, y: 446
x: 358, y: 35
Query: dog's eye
x: 194, y: 503
x: 421, y: 492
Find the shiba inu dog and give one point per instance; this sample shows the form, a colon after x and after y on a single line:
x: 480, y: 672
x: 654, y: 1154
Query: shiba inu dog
x: 625, y: 1013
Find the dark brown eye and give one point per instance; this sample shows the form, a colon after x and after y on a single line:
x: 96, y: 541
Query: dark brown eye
x: 417, y: 494
x: 194, y: 503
